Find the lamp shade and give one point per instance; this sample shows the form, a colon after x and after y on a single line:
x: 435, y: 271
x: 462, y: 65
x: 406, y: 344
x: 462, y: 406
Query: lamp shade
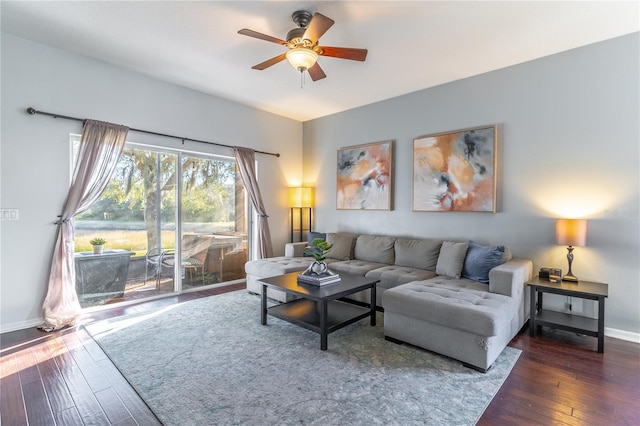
x: 302, y: 58
x: 301, y: 197
x: 571, y: 232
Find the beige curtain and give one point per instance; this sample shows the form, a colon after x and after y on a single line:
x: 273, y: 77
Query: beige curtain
x: 100, y: 149
x: 246, y: 160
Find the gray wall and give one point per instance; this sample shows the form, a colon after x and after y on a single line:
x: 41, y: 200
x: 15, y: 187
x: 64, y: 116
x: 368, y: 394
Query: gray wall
x: 35, y: 169
x: 568, y: 147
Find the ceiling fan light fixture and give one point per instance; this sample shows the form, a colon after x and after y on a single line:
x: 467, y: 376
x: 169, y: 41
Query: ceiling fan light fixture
x: 302, y: 58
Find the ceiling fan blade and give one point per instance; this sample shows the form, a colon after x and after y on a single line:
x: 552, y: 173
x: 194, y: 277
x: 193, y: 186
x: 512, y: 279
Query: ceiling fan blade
x: 319, y: 25
x: 316, y: 73
x: 269, y: 62
x: 261, y: 36
x: 344, y: 53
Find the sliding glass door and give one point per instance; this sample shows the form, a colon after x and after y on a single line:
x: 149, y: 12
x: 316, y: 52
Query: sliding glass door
x: 214, y: 228
x: 172, y: 221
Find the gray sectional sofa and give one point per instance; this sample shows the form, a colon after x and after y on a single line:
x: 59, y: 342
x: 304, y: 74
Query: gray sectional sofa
x: 456, y: 298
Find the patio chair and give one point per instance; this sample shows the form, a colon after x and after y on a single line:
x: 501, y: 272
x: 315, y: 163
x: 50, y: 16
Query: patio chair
x: 154, y: 260
x: 190, y: 263
x: 194, y: 255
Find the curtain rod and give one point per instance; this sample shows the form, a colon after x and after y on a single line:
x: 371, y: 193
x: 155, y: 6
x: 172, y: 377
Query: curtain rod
x: 33, y: 111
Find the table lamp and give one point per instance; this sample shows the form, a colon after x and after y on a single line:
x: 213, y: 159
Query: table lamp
x: 571, y: 232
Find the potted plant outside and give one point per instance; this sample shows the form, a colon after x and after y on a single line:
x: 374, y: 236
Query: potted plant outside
x: 318, y: 251
x: 98, y: 244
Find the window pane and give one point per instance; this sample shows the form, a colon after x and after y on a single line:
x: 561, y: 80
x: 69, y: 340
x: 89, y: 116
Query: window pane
x: 136, y: 217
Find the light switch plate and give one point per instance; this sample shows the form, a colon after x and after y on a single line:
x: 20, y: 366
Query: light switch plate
x: 9, y: 214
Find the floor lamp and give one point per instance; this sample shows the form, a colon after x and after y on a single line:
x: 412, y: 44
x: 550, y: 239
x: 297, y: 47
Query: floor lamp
x: 301, y: 203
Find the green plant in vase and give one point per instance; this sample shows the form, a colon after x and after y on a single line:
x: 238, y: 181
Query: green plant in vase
x: 317, y: 250
x: 98, y: 244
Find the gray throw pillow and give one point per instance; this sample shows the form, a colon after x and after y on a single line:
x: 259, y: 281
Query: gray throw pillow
x: 342, y: 246
x: 371, y: 248
x: 451, y: 259
x: 421, y: 254
x: 480, y: 260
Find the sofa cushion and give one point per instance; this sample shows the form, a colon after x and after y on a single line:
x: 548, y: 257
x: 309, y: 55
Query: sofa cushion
x: 354, y: 266
x: 342, y: 248
x: 371, y: 248
x: 421, y: 254
x: 479, y: 260
x: 451, y: 259
x: 393, y: 275
x: 461, y: 304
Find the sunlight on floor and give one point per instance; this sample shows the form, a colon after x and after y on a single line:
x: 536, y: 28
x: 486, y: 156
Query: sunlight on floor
x: 104, y: 328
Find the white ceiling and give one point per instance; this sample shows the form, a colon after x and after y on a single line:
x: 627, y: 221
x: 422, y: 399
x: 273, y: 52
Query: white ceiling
x: 412, y: 45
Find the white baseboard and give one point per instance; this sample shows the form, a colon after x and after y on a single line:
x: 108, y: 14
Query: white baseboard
x: 21, y: 325
x: 622, y: 334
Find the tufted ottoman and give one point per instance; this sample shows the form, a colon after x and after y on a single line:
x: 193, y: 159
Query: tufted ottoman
x: 459, y: 318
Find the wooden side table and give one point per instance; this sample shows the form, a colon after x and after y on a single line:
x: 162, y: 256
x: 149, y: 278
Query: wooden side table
x: 574, y: 323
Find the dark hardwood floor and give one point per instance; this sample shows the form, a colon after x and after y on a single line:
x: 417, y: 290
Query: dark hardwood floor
x: 64, y: 378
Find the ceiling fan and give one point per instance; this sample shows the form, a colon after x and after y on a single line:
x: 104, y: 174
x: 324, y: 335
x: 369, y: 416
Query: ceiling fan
x: 302, y: 45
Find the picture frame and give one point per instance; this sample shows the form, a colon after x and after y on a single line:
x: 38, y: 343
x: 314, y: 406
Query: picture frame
x: 456, y: 171
x: 364, y: 177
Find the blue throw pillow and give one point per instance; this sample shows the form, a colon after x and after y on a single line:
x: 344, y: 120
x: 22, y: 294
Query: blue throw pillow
x: 480, y: 260
x: 312, y: 236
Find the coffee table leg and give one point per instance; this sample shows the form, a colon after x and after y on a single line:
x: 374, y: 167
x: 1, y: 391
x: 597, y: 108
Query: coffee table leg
x: 263, y: 307
x: 323, y: 325
x: 372, y: 304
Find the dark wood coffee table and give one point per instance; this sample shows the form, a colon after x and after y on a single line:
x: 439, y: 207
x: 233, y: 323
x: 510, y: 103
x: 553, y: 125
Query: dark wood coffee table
x: 318, y: 309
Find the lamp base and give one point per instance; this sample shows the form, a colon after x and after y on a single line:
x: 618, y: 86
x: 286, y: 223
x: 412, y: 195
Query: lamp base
x: 570, y: 277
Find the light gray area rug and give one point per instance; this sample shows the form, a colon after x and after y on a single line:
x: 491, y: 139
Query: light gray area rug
x: 210, y: 361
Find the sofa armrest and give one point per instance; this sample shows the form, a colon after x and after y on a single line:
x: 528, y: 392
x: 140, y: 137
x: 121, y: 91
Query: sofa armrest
x: 294, y: 249
x: 510, y: 278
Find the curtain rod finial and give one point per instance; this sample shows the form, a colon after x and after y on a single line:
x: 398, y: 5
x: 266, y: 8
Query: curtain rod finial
x: 31, y: 111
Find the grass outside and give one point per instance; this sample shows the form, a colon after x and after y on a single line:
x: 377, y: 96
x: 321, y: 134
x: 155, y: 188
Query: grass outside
x: 132, y: 236
x: 131, y: 240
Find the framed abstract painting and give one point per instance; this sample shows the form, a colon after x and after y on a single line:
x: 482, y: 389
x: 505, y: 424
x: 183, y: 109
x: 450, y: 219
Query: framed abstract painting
x: 364, y: 177
x: 456, y: 171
